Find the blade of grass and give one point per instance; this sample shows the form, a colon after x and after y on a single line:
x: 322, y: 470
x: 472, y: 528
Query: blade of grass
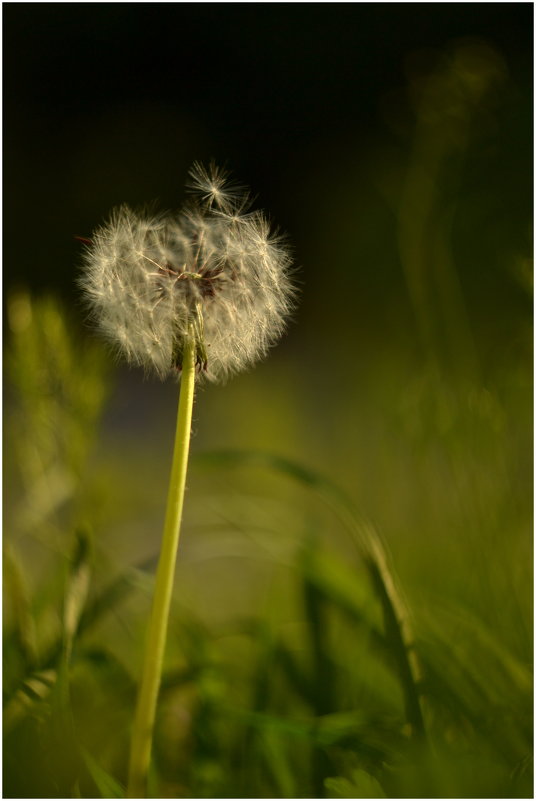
x: 65, y: 752
x: 375, y: 557
x: 107, y: 786
x: 102, y: 604
x: 16, y: 596
x: 77, y: 590
x: 24, y: 697
x: 323, y: 695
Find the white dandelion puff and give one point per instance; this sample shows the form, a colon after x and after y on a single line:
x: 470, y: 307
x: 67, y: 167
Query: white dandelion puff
x: 215, y: 273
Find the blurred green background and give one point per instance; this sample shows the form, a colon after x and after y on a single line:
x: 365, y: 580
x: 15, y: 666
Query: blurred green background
x: 393, y: 143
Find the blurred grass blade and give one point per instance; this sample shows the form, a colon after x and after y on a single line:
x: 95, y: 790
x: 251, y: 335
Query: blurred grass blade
x: 18, y: 607
x: 77, y: 589
x: 107, y: 786
x: 63, y: 730
x: 361, y: 785
x: 373, y: 552
x: 114, y: 593
x: 102, y: 604
x: 76, y: 592
x: 337, y: 582
x: 35, y: 689
x: 294, y: 672
x: 323, y: 696
x: 316, y: 608
x: 399, y: 636
x: 276, y: 755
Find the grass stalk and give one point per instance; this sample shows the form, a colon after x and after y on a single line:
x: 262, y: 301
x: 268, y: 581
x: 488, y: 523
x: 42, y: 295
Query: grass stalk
x: 398, y: 625
x: 142, y: 734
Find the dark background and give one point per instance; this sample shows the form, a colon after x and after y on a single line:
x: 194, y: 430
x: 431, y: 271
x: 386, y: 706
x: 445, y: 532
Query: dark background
x: 109, y: 103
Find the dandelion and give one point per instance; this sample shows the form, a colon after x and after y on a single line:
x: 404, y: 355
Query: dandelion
x: 214, y: 273
x: 202, y: 294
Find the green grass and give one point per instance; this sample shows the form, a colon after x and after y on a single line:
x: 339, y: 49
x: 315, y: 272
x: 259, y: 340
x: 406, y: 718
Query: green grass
x: 300, y: 663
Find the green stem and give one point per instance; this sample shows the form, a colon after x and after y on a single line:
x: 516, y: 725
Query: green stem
x: 142, y: 734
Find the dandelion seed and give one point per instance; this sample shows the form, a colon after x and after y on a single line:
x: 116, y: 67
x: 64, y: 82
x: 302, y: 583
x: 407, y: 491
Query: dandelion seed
x: 215, y: 188
x: 215, y: 272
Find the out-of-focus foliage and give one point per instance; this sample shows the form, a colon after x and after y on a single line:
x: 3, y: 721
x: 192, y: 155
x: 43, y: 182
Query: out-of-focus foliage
x: 56, y: 391
x: 300, y: 655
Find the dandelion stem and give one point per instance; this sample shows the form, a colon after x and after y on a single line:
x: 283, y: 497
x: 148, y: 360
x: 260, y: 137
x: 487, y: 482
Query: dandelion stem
x: 142, y: 734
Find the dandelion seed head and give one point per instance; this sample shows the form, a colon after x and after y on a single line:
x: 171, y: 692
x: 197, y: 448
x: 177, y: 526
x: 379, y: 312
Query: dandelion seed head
x: 215, y: 273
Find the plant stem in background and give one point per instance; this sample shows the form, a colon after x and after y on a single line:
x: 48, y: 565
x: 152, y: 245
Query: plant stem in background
x: 142, y: 734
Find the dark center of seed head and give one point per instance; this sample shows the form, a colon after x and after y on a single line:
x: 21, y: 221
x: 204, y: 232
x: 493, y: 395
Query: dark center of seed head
x: 205, y: 279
